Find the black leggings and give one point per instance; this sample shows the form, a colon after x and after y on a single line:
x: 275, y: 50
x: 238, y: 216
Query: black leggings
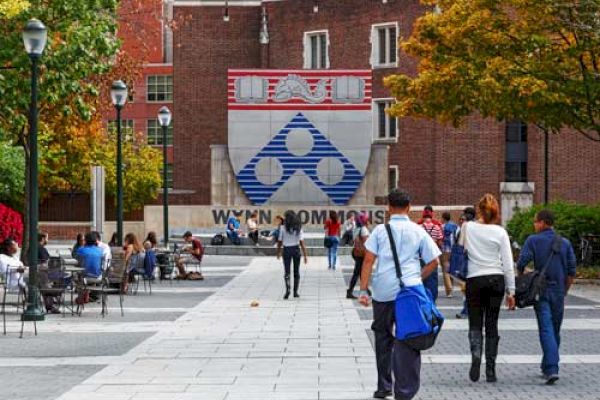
x: 290, y: 254
x: 358, y: 262
x: 484, y: 298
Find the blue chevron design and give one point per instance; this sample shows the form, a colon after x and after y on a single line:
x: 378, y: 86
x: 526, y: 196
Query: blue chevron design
x: 339, y: 193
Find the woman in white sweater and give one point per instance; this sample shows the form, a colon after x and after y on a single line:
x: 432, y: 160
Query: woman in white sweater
x: 490, y: 275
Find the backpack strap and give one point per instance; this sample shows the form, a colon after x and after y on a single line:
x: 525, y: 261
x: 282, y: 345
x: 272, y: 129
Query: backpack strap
x: 556, y: 245
x: 388, y: 228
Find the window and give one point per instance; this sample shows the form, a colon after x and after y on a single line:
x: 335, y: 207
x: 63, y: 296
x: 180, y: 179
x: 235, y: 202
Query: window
x: 393, y: 177
x: 316, y: 54
x: 160, y: 88
x: 169, y: 175
x: 516, y: 152
x: 385, y: 126
x: 155, y: 134
x: 127, y: 128
x: 384, y: 45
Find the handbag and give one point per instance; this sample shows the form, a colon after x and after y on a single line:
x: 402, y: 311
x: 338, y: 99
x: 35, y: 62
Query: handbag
x: 327, y: 242
x: 459, y: 259
x: 358, y: 249
x: 530, y: 286
x: 418, y: 321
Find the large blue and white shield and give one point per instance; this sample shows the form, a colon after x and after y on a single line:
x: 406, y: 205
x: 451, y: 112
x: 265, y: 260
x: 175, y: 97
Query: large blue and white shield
x: 300, y: 137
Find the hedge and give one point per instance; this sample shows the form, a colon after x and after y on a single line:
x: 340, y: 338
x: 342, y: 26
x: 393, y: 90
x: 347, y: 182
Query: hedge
x: 571, y: 221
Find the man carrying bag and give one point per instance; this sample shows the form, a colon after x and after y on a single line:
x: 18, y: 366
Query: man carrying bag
x: 554, y: 260
x: 411, y: 244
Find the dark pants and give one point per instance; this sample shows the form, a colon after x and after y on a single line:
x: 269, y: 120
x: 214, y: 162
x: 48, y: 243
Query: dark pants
x: 254, y: 236
x: 358, y: 262
x: 484, y: 298
x: 292, y: 254
x: 549, y: 312
x: 431, y: 284
x: 394, y: 355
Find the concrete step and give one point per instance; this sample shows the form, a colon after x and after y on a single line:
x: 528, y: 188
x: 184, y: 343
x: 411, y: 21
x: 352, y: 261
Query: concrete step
x: 268, y: 251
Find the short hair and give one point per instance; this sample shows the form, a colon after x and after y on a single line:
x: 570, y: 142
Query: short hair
x: 545, y: 216
x: 469, y: 213
x: 446, y: 216
x: 398, y: 198
x: 187, y: 234
x: 428, y: 207
x: 41, y: 236
x: 489, y: 209
x: 98, y: 235
x: 90, y: 239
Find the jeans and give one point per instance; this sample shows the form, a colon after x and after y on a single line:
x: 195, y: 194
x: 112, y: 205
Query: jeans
x: 431, y: 283
x: 291, y: 255
x: 393, y: 355
x: 234, y: 237
x: 549, y: 312
x: 332, y: 251
x: 484, y: 298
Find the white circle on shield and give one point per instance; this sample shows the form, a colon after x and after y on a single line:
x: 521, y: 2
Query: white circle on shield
x: 268, y: 171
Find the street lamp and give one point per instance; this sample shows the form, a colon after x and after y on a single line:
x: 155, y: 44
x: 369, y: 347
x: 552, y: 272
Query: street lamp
x: 164, y: 118
x: 118, y: 95
x: 34, y: 38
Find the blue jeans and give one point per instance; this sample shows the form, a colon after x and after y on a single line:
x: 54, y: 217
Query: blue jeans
x: 549, y: 312
x: 431, y: 283
x: 233, y: 236
x: 332, y: 251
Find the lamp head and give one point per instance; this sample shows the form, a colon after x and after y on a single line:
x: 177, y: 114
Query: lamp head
x: 35, y: 36
x: 164, y: 116
x: 118, y: 93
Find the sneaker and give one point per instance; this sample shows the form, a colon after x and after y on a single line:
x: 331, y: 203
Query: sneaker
x: 382, y: 394
x: 551, y: 379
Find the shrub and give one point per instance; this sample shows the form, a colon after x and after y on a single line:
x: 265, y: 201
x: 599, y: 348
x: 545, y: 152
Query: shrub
x: 11, y: 224
x: 571, y: 221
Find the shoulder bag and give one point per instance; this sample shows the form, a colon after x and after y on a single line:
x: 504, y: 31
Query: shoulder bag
x: 459, y: 258
x: 359, y: 250
x: 530, y: 286
x: 418, y: 321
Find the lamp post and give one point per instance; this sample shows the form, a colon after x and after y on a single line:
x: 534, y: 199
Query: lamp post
x: 118, y: 94
x: 164, y: 118
x: 34, y: 38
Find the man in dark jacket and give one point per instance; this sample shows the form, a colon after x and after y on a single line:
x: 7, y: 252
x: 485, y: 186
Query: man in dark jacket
x: 560, y: 275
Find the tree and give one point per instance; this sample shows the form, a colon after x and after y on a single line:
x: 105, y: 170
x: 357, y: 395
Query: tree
x: 532, y: 60
x: 12, y: 183
x: 12, y: 8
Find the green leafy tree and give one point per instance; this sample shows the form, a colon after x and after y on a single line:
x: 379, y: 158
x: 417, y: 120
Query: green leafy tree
x: 12, y: 183
x: 532, y: 60
x: 12, y: 8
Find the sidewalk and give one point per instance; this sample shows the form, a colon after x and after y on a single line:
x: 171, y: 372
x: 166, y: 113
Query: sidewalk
x: 312, y: 348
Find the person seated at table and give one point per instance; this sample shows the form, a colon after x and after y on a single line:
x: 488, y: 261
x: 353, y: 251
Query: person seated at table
x: 134, y: 257
x: 44, y: 281
x: 79, y: 242
x: 150, y: 246
x: 90, y: 257
x: 106, y: 252
x: 12, y: 269
x: 233, y: 229
x: 196, y: 251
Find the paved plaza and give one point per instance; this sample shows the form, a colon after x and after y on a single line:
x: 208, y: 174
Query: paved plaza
x: 203, y: 340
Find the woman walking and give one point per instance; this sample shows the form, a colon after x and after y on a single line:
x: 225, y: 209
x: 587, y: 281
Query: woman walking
x: 490, y: 274
x: 358, y: 251
x: 291, y: 239
x: 332, y: 235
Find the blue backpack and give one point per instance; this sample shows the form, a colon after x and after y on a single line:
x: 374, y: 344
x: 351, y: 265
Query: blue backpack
x: 418, y: 321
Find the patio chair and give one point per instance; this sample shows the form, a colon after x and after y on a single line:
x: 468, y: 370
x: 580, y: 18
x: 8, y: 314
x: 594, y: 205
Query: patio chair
x: 11, y: 297
x: 54, y: 282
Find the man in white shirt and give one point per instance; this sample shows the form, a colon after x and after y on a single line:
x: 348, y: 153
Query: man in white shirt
x: 106, y: 253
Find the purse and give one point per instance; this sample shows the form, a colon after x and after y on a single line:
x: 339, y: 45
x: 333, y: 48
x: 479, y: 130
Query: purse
x: 459, y: 259
x: 358, y: 249
x: 418, y: 321
x: 530, y: 286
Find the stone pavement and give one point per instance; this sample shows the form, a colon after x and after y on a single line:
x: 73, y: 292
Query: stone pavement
x: 312, y: 348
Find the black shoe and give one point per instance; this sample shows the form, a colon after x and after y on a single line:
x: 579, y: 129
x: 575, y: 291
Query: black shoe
x: 350, y: 295
x: 296, y: 294
x: 286, y: 295
x: 382, y: 394
x: 491, y: 352
x: 551, y: 379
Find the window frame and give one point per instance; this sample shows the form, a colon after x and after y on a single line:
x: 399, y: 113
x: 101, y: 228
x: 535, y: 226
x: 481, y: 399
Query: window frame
x: 375, y: 44
x: 396, y: 172
x: 516, y: 135
x: 125, y: 129
x: 387, y: 138
x: 158, y: 135
x: 307, y: 50
x: 166, y: 84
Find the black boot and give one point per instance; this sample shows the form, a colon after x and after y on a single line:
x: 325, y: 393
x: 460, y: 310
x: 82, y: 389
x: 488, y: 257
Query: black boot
x: 296, y: 286
x: 287, y: 288
x: 476, y: 343
x: 491, y: 351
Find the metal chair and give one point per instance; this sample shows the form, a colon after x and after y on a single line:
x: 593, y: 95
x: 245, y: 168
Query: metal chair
x: 17, y: 296
x: 110, y: 283
x: 54, y: 282
x: 166, y: 265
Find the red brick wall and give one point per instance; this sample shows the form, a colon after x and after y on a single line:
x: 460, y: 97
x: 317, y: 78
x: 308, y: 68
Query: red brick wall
x: 204, y: 49
x: 437, y: 164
